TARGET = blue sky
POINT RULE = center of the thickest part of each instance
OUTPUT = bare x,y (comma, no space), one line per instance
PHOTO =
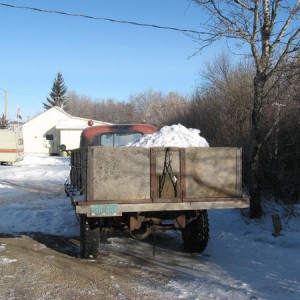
96,58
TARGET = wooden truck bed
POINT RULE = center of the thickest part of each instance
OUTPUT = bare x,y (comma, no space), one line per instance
108,181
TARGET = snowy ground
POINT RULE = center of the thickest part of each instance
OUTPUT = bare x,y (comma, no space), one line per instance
242,261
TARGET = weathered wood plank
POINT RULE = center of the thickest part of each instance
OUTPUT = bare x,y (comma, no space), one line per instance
120,173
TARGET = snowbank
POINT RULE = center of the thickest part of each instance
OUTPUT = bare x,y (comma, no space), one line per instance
172,136
243,259
44,160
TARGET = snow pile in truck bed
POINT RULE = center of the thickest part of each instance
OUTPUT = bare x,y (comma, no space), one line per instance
172,136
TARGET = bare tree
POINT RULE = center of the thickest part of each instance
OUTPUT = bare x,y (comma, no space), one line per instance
227,94
80,105
281,154
157,108
271,30
108,110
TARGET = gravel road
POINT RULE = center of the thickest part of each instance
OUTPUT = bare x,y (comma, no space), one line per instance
31,268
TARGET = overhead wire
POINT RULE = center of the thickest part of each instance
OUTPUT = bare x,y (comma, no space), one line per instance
182,30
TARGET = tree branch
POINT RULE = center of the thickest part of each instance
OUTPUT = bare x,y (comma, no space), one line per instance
288,21
244,5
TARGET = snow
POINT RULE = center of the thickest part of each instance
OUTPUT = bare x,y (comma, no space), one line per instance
39,160
72,124
6,260
243,259
20,212
172,136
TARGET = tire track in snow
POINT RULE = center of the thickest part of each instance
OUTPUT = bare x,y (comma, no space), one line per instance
49,189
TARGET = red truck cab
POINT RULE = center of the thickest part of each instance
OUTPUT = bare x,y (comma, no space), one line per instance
114,135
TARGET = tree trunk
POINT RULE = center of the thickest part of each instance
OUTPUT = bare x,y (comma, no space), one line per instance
255,195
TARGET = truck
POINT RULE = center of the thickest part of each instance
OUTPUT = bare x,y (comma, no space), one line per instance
11,146
147,190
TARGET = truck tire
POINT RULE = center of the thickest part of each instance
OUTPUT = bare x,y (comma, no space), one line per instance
89,237
196,233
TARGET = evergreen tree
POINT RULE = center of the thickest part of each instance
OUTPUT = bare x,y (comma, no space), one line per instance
57,94
3,122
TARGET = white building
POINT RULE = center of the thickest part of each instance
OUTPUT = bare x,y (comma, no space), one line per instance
46,132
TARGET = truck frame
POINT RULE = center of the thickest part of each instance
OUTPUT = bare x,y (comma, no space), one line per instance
145,190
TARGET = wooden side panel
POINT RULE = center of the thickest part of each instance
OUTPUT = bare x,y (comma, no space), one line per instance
154,177
119,174
160,153
76,169
128,175
167,165
212,173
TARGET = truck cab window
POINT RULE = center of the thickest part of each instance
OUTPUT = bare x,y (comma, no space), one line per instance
125,138
115,139
105,140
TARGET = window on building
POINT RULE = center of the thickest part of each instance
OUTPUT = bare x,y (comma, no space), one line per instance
49,137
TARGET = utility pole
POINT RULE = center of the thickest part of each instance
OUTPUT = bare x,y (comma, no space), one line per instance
5,110
278,105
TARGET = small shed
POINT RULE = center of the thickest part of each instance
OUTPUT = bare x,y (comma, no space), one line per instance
47,131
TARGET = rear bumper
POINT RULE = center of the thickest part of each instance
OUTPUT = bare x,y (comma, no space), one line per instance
100,209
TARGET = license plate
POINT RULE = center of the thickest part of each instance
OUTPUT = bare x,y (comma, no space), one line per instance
99,210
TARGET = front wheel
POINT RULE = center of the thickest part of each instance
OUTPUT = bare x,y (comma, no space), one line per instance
89,237
196,233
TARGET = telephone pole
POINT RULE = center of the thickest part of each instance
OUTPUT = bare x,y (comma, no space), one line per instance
5,109
5,103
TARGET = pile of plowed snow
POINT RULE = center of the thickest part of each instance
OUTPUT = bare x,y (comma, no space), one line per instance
43,160
172,136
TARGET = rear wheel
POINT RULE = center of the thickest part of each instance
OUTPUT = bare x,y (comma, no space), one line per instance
196,233
89,237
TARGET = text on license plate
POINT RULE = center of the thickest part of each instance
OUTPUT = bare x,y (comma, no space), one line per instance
104,210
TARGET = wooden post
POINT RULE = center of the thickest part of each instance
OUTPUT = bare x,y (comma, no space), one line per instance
276,224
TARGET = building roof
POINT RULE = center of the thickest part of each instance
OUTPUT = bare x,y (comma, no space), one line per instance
77,123
47,111
70,122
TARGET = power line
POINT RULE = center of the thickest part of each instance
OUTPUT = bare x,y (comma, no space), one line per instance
22,93
182,30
